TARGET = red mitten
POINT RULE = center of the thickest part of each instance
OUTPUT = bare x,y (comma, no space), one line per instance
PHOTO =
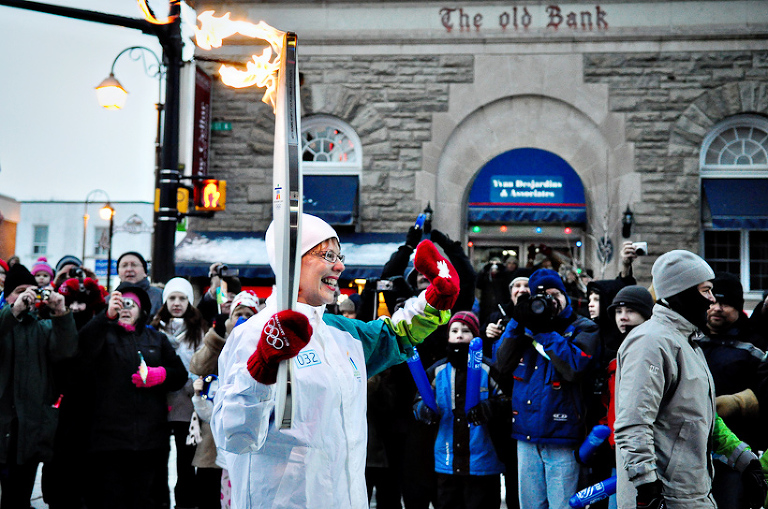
444,288
283,336
155,376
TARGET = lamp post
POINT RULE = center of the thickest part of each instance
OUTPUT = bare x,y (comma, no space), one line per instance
107,212
86,217
112,96
169,37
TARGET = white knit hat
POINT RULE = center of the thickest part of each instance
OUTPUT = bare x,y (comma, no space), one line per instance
313,231
677,271
178,284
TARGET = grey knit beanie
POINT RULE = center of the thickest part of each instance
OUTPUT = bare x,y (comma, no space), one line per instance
677,271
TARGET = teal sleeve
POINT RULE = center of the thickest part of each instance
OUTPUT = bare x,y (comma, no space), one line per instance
385,343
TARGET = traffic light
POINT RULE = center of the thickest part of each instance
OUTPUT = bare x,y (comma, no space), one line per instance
210,194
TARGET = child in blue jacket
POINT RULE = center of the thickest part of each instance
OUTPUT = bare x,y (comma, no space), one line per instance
466,462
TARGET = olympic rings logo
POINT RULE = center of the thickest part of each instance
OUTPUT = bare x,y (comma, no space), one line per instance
274,334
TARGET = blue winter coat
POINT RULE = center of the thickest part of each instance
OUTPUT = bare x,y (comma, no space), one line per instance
547,398
461,448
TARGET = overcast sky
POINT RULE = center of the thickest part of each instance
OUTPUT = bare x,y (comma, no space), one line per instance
56,142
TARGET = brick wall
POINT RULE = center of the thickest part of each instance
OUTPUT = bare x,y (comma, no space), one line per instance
387,99
671,100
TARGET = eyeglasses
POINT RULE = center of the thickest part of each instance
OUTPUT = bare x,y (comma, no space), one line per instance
129,304
329,256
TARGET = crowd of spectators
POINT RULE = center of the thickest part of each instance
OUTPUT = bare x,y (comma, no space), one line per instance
96,385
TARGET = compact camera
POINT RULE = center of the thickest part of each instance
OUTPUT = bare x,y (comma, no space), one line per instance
42,294
641,248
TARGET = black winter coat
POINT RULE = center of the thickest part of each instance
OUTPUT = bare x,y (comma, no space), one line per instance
733,361
125,417
28,349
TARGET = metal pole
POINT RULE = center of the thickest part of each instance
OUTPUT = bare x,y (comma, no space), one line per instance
169,37
85,228
109,250
163,263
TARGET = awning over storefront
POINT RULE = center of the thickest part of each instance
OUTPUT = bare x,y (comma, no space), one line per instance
331,197
527,185
366,253
735,203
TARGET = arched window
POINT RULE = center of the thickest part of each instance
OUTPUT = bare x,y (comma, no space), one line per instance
332,162
736,147
734,182
330,146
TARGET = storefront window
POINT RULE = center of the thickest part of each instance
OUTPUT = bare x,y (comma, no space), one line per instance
734,183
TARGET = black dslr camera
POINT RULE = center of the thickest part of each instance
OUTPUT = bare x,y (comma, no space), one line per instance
76,272
542,305
79,273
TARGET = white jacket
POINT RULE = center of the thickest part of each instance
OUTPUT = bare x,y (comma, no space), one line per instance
320,461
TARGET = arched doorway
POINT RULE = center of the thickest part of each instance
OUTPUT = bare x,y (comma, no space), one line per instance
524,202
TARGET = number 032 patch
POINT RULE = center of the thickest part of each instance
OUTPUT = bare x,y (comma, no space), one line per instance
306,358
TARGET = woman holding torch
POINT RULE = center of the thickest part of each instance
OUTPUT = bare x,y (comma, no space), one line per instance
320,460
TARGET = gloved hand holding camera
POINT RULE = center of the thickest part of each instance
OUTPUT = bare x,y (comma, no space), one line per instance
536,312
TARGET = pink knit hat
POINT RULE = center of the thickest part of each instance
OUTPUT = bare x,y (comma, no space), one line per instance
42,265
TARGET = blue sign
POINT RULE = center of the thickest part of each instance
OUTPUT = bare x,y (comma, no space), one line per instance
526,189
527,185
101,268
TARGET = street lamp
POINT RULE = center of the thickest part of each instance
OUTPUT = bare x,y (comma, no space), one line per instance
107,212
169,37
86,217
111,95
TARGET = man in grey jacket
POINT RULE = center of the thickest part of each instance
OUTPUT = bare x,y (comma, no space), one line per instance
666,427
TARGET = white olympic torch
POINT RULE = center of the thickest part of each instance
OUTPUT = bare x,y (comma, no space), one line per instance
280,77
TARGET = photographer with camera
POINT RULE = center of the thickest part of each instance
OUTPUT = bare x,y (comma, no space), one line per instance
29,348
498,320
125,371
216,303
132,268
546,349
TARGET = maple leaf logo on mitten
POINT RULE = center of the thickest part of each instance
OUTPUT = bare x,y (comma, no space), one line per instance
444,280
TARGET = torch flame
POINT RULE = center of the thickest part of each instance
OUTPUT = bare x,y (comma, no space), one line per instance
149,15
262,70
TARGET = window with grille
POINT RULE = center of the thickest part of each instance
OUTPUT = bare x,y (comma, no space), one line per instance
329,146
734,182
40,239
101,238
332,162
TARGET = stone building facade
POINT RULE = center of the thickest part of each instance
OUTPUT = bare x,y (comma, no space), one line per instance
626,94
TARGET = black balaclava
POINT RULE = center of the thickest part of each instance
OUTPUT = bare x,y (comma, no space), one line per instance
457,354
692,305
